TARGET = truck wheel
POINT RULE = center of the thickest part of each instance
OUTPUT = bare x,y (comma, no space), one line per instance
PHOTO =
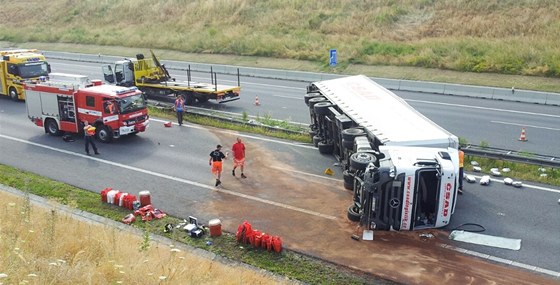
350,134
189,99
312,133
308,96
316,140
202,99
325,148
354,213
104,134
349,186
360,160
348,176
13,94
348,144
322,108
52,127
316,100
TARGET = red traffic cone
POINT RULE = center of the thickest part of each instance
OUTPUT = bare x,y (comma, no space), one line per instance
167,125
257,102
523,136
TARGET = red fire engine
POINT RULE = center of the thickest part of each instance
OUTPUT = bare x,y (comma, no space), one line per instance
64,102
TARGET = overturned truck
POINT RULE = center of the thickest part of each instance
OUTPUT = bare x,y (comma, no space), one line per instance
402,167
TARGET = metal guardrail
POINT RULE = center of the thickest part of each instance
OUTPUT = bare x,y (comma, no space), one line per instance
513,156
495,93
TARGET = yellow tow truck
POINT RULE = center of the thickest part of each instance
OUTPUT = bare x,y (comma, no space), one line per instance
150,76
18,66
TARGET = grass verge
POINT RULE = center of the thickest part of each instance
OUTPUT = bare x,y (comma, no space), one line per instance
287,263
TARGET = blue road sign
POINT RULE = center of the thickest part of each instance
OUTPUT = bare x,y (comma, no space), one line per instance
332,60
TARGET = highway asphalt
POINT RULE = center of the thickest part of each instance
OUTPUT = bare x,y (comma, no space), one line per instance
285,180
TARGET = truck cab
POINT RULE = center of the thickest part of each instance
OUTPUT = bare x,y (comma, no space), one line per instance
19,66
409,189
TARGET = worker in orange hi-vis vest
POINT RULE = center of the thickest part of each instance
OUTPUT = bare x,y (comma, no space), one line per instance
461,160
89,133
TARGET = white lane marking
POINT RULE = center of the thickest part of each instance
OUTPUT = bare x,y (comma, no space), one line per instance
177,179
485,108
524,185
524,125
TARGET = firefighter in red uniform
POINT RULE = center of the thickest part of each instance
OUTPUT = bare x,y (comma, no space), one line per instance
89,133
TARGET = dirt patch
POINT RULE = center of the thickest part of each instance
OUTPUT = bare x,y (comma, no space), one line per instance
310,215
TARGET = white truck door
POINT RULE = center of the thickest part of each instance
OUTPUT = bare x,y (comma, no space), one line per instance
108,74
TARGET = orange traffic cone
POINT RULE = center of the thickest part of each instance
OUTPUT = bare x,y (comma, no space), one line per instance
257,102
523,136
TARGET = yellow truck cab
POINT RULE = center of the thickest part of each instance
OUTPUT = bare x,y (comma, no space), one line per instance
19,66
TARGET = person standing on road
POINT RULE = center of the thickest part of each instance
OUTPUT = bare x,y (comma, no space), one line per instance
461,160
238,150
89,133
179,108
216,157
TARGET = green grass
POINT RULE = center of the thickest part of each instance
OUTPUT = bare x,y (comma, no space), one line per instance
394,39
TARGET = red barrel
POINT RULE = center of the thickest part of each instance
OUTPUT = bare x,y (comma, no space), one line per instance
145,198
215,226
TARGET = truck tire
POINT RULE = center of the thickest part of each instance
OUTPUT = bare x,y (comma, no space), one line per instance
202,99
316,100
13,94
104,134
349,185
348,144
350,134
360,160
307,97
348,176
322,108
325,148
316,140
354,213
52,127
190,99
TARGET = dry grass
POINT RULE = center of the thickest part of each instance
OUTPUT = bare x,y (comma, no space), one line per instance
499,36
43,245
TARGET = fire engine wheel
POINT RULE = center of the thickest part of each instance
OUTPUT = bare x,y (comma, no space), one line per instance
354,213
322,108
316,140
348,144
325,147
52,127
360,160
104,134
350,134
13,94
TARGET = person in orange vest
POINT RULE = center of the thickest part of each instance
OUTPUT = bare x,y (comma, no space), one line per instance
216,157
110,108
89,133
461,160
179,108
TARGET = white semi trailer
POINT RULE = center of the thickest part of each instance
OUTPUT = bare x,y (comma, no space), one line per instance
402,167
